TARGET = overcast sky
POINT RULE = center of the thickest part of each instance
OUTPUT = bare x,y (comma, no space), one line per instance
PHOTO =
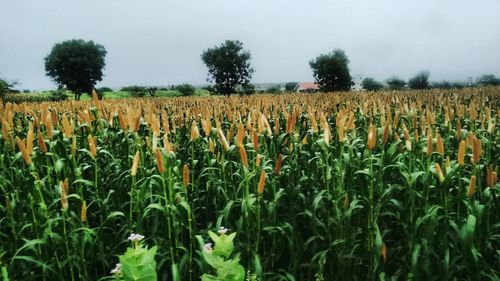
159,42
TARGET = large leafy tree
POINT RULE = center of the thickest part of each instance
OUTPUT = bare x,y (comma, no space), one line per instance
76,65
488,80
228,66
420,81
331,71
371,84
396,83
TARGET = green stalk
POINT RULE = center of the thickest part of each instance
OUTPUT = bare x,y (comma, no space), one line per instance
67,245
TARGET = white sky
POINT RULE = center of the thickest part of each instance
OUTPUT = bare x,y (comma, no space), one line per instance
159,42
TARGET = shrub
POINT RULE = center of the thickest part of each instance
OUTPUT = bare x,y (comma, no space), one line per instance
185,89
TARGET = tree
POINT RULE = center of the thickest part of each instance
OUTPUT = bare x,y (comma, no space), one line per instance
420,81
185,89
395,83
228,66
248,89
6,87
76,65
331,71
488,80
152,91
290,86
371,84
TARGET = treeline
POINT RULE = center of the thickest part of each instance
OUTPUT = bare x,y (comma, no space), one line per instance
421,81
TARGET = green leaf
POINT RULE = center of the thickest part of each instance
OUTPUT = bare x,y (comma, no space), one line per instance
139,264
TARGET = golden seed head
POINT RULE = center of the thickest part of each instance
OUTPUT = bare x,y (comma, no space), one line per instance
385,134
262,182
243,155
439,172
476,150
440,145
372,137
41,143
195,133
222,139
429,145
83,213
240,135
258,159
92,146
211,146
63,186
185,175
461,153
24,152
159,161
277,167
135,163
472,187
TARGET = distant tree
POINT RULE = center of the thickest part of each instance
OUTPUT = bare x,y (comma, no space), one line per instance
104,89
273,90
185,89
371,84
395,83
76,64
228,66
458,85
290,86
441,85
152,91
420,81
248,89
488,80
6,87
135,91
331,71
211,89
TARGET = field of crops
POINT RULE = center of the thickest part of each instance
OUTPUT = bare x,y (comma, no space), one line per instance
347,186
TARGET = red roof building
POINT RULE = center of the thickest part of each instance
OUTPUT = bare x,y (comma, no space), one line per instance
306,87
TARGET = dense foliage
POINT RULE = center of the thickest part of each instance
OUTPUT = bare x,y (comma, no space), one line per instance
228,66
420,81
371,84
331,71
347,186
76,65
396,83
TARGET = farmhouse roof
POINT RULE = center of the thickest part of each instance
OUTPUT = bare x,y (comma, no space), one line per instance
306,86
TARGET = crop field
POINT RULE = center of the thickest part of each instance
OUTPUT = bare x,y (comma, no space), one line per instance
341,186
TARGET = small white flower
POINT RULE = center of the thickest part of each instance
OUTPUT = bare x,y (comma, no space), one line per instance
207,248
222,230
117,269
135,237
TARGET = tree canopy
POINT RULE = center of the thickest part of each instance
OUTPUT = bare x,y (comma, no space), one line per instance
395,83
331,71
76,65
420,81
488,80
228,66
371,84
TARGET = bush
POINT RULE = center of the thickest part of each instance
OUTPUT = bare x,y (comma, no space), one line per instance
396,83
273,90
135,91
104,89
248,89
371,84
185,89
420,81
58,95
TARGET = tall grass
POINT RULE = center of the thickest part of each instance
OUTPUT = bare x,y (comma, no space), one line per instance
347,186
